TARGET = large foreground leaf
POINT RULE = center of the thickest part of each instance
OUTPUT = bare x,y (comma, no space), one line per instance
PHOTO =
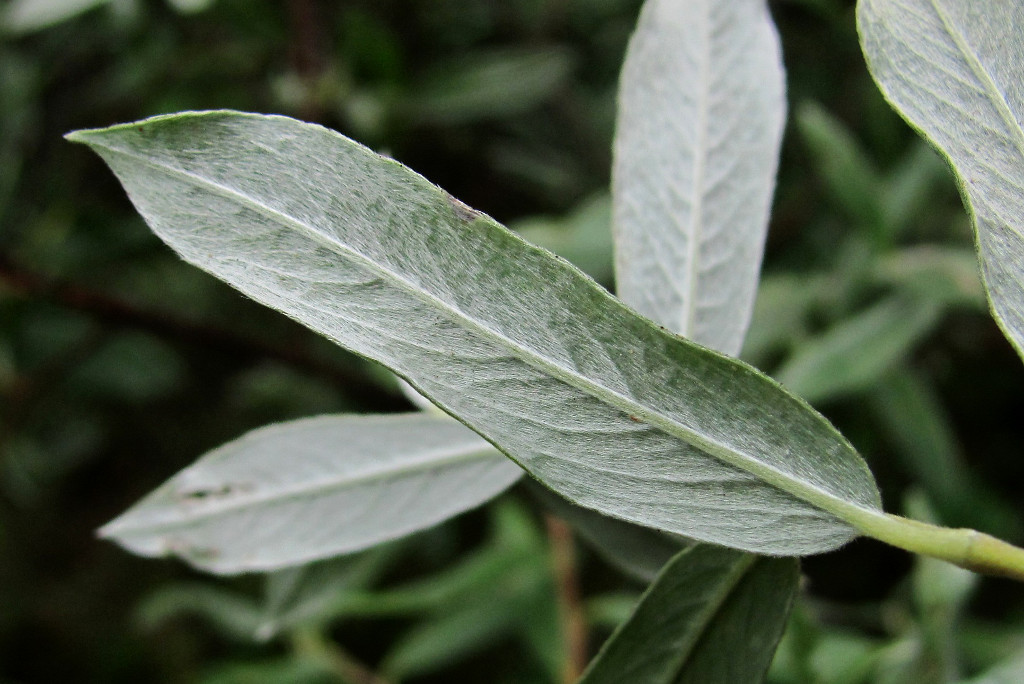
702,621
701,111
308,489
954,69
598,403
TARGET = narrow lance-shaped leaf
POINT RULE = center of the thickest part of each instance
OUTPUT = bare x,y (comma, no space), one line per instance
595,401
713,616
701,111
954,69
308,489
693,181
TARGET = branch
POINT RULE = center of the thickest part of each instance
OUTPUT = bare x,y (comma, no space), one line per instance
574,626
121,314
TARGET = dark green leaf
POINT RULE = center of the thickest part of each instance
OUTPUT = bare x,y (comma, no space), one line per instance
713,616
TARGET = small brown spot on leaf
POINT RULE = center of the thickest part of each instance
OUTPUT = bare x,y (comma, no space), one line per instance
462,211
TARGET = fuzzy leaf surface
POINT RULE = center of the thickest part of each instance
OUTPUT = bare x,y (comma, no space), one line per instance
954,69
598,403
313,488
713,616
701,111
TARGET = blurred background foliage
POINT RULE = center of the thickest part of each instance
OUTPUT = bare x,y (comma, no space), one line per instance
119,365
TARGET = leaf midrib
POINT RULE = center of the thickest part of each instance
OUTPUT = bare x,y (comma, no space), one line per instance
741,567
320,488
801,490
695,246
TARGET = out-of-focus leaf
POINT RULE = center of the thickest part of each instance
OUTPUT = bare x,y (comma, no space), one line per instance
304,596
1009,672
694,173
446,638
314,488
858,351
489,84
694,624
781,314
531,159
275,391
584,237
504,590
288,670
638,551
610,610
840,658
190,6
902,660
940,592
131,366
597,402
514,542
909,187
952,69
811,652
19,86
843,167
948,276
233,615
986,644
912,418
26,16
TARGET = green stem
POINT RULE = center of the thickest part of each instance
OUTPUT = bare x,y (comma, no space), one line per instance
312,643
966,548
570,609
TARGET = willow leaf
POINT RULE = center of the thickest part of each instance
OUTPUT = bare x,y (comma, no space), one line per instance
597,402
308,489
953,69
713,616
701,111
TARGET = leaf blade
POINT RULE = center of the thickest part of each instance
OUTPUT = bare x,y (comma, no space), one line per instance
693,175
693,623
243,507
598,403
952,70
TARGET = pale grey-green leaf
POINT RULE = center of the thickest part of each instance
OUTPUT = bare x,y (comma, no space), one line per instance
313,488
597,402
955,70
701,111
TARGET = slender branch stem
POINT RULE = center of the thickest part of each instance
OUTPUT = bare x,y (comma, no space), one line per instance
966,548
570,609
20,282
